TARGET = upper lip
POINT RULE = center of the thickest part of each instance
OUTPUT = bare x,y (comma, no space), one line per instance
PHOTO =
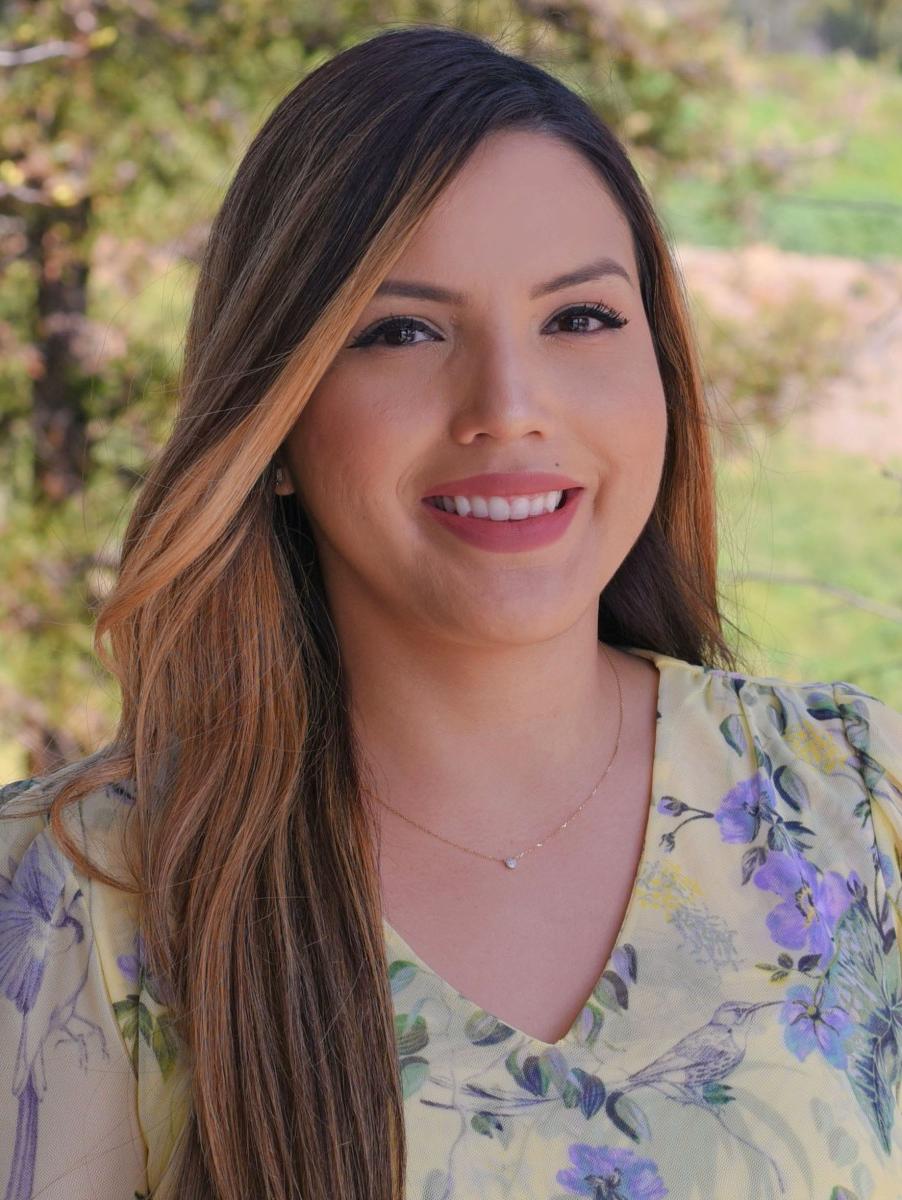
511,483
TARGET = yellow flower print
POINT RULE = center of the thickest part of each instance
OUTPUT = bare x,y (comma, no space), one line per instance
816,747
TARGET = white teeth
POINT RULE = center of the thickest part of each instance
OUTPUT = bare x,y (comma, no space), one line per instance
500,508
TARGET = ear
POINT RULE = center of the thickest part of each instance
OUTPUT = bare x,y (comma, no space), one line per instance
286,487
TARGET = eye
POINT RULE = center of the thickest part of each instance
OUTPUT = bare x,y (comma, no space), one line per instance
609,317
390,327
405,328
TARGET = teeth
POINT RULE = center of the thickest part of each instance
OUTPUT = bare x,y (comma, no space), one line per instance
499,508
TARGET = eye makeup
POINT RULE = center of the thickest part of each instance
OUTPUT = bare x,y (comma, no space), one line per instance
397,324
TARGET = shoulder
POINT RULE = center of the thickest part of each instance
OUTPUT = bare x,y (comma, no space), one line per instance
825,759
74,990
826,720
829,725
40,883
38,872
60,1029
829,734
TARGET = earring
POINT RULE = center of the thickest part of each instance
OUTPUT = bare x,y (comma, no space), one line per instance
278,476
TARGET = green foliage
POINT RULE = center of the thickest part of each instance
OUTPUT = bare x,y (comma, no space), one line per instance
804,180
751,365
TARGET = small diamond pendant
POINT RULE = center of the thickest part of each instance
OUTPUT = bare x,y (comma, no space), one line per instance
510,862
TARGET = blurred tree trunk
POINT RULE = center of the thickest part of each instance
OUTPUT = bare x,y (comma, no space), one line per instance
56,236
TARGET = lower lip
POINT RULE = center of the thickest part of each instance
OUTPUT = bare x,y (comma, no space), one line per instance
529,533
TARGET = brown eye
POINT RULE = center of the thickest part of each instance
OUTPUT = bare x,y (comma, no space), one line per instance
609,317
397,331
391,327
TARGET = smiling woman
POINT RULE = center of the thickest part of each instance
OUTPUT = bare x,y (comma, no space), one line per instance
417,628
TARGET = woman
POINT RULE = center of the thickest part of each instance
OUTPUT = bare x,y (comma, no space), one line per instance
443,849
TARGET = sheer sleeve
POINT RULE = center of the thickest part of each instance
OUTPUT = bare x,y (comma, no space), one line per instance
69,1127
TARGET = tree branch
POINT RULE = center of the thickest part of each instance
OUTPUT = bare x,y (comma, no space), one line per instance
33,54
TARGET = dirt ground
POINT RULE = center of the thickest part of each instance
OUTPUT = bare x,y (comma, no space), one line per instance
858,411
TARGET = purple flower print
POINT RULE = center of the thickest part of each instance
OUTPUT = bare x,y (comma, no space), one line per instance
740,812
134,968
131,965
811,1023
811,904
608,1173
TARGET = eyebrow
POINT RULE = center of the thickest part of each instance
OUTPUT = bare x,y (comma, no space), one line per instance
428,291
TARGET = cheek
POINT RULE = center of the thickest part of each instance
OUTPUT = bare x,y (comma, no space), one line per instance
630,440
348,450
630,425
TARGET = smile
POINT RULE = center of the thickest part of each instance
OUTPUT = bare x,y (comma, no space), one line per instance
500,508
492,523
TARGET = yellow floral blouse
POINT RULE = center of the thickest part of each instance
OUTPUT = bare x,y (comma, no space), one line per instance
744,1040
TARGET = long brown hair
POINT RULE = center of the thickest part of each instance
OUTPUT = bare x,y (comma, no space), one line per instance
255,855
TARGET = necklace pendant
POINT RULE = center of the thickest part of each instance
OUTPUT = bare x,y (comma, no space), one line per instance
510,862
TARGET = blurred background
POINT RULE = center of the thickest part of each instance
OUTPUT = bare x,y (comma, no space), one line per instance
768,133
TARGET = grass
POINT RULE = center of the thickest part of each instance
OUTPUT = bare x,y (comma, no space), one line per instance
844,202
790,510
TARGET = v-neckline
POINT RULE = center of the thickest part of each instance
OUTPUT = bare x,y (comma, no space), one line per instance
662,708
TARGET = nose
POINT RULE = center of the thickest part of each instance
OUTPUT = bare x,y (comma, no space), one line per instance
502,394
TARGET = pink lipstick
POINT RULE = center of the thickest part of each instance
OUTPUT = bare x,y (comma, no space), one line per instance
527,533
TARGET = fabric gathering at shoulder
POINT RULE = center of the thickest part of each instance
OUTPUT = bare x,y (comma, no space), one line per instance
69,1119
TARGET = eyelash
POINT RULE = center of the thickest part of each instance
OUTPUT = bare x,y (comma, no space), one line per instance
610,316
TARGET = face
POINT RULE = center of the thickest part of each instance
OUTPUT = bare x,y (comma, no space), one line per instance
498,379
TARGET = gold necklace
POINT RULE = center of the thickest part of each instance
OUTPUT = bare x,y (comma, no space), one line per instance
512,861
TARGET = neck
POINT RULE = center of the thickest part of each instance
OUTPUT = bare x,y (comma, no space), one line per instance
466,745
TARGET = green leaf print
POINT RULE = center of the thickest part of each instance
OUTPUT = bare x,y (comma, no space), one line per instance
413,1075
593,1092
159,1033
165,1044
791,787
855,719
717,1093
483,1029
776,711
821,706
412,1033
486,1123
733,733
536,1074
612,991
400,974
627,1116
145,1024
842,1193
127,1015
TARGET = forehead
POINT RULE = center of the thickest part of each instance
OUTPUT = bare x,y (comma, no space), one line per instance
524,206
